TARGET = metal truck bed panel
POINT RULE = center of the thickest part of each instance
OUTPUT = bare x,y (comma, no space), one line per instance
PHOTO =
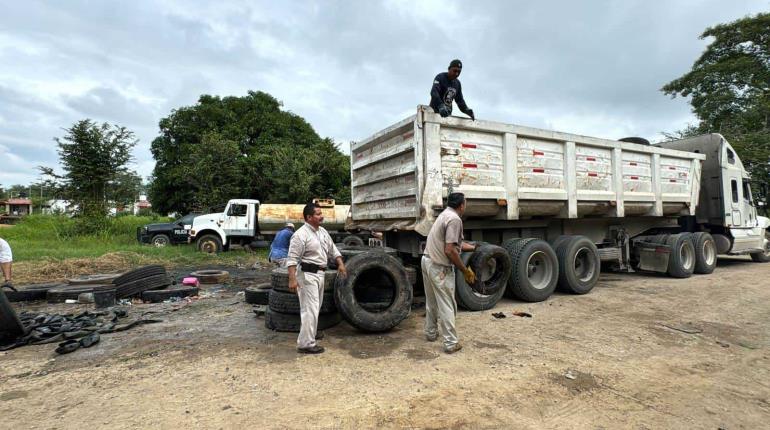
401,174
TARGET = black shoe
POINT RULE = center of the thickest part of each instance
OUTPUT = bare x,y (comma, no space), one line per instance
311,350
319,335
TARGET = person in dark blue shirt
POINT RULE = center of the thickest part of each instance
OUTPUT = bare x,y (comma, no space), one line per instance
447,89
279,249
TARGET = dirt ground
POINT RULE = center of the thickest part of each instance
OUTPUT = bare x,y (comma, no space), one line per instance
639,352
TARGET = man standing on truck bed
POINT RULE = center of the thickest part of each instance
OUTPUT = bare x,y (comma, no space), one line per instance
446,89
309,249
279,249
442,251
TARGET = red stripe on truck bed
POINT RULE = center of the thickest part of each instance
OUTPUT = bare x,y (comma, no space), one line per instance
470,165
468,145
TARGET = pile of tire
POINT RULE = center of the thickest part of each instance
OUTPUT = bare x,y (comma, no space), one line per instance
31,292
377,293
283,313
348,251
152,284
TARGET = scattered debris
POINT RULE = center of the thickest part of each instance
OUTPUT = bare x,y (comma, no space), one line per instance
42,328
723,345
570,375
522,314
498,315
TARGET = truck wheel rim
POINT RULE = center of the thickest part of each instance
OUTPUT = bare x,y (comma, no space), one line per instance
709,252
487,272
539,270
686,256
584,266
159,242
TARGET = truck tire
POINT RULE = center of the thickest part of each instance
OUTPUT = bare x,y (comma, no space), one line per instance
136,288
139,273
10,324
32,292
705,252
292,323
492,266
535,269
209,244
71,292
352,240
288,303
160,240
579,264
211,276
350,251
100,278
763,257
681,262
258,295
362,270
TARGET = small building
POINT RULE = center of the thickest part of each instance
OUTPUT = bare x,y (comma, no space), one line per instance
141,205
16,207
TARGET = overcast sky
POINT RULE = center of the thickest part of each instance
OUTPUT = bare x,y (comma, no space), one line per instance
350,68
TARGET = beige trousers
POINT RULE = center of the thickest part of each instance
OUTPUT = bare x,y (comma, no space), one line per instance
440,304
311,295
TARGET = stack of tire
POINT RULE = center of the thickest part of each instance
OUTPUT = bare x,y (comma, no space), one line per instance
150,283
283,312
79,285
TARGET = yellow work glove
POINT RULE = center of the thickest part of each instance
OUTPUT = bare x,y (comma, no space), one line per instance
470,277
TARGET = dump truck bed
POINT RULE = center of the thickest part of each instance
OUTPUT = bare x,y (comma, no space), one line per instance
400,175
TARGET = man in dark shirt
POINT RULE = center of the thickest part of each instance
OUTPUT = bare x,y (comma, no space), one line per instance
446,89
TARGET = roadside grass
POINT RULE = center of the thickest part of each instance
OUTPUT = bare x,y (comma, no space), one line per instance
45,248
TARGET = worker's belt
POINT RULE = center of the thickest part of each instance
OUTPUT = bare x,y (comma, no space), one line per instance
310,267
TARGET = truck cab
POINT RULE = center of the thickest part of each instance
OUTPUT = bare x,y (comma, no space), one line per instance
238,224
726,207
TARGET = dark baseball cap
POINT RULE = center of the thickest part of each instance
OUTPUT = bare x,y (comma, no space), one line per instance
456,63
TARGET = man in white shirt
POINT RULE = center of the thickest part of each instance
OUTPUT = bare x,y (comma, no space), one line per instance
309,250
6,260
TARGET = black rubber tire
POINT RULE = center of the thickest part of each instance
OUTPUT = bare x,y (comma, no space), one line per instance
576,254
411,274
519,284
678,267
160,240
352,240
705,250
157,296
258,295
279,279
288,303
71,292
292,323
361,269
139,273
350,251
137,287
483,295
102,278
31,292
209,244
211,276
634,139
762,257
10,324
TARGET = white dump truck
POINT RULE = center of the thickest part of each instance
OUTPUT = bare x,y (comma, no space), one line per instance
248,223
561,204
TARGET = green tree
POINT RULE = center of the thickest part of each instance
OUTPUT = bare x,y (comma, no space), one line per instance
244,147
93,157
729,90
124,188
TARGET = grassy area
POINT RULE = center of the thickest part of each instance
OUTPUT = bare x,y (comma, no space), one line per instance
45,247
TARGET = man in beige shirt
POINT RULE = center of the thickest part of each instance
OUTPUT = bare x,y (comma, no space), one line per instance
309,249
442,255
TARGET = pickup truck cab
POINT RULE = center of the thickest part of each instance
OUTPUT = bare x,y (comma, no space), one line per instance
238,224
166,233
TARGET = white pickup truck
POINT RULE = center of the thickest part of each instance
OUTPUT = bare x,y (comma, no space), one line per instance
248,223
